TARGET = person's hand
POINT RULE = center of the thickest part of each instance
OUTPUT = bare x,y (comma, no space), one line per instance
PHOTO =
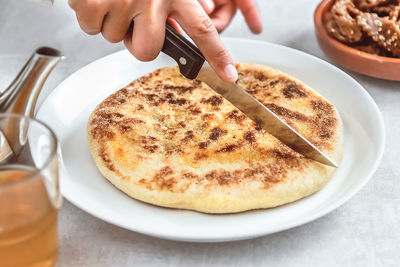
113,17
221,13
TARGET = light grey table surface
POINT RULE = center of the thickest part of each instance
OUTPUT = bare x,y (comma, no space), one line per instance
363,232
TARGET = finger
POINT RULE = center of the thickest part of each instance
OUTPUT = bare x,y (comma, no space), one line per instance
201,29
90,14
208,5
116,24
148,32
223,14
250,14
175,25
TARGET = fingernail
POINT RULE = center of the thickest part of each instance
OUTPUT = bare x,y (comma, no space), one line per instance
208,5
231,73
91,31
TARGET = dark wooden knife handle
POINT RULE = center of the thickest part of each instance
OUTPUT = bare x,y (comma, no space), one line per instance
185,53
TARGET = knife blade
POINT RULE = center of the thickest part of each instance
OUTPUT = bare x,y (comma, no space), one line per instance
191,64
263,116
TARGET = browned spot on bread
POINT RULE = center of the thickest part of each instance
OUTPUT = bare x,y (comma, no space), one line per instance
115,99
249,136
150,97
287,113
274,175
293,90
143,139
273,82
195,110
189,135
199,156
172,132
109,117
106,159
101,132
281,154
171,98
322,107
154,99
228,148
190,176
324,126
161,178
236,115
207,116
176,150
151,148
216,133
133,121
257,126
267,94
157,72
178,101
104,156
267,175
126,125
179,89
125,128
181,101
260,76
214,100
169,183
102,123
148,143
203,145
222,177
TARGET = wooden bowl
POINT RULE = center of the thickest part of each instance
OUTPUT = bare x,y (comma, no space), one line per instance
351,58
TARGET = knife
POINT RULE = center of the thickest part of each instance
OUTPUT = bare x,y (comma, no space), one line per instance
191,64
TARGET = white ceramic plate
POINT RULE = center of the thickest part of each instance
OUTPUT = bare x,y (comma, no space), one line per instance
67,109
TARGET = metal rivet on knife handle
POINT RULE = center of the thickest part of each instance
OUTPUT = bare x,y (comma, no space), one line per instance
184,52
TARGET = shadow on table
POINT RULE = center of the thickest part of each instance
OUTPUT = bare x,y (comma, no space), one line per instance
88,241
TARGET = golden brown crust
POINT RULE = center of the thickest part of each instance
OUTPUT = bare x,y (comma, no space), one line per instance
167,140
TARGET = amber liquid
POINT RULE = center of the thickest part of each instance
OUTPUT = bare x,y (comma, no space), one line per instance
28,221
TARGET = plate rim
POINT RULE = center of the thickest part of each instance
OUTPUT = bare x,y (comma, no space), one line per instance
303,220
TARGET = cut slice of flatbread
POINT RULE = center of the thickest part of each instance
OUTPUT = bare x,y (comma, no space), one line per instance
173,142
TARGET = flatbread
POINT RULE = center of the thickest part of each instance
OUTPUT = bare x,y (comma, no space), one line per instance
173,142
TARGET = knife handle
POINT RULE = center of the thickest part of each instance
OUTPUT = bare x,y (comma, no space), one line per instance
185,53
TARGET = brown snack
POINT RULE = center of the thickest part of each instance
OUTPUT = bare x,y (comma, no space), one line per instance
367,5
371,26
343,24
384,32
391,11
372,48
